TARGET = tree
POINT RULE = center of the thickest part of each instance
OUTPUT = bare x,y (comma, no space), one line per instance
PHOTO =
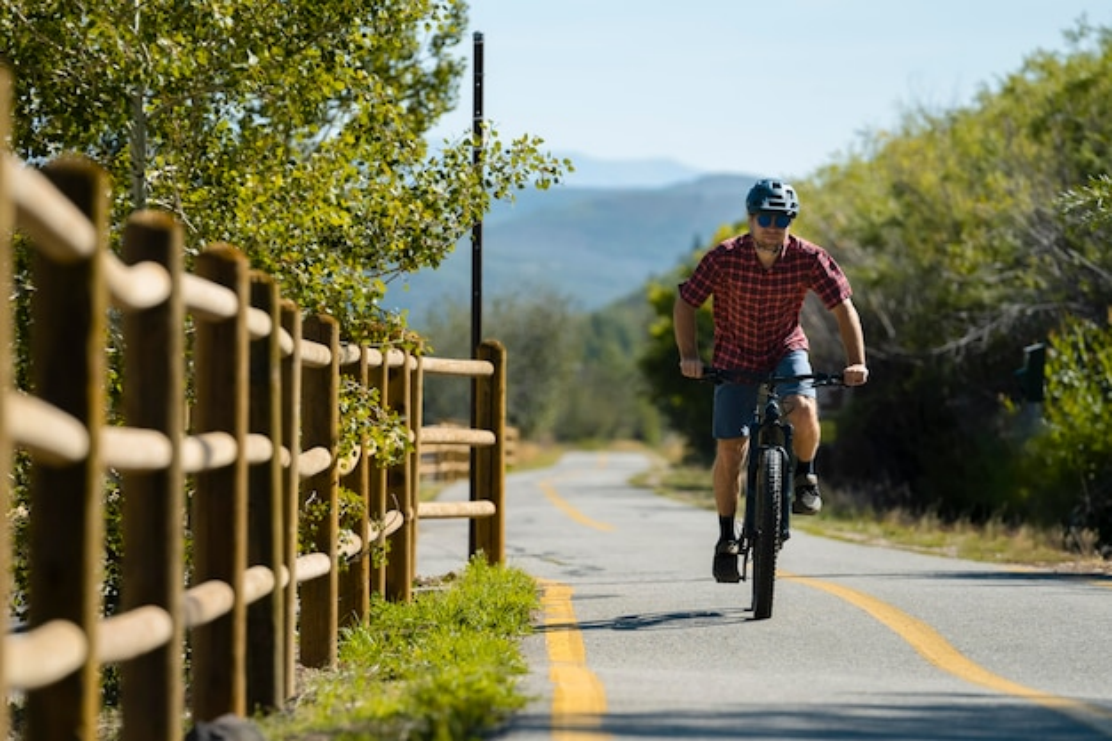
684,404
607,397
963,251
967,234
293,130
539,332
1065,463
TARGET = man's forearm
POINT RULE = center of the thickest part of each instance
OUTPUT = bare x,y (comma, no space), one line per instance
684,329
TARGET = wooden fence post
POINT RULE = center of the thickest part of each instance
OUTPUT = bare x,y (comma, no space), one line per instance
69,309
153,521
412,466
265,617
379,379
291,488
355,575
7,219
400,568
320,428
220,501
488,480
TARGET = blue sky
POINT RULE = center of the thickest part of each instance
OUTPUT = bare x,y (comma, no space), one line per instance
775,88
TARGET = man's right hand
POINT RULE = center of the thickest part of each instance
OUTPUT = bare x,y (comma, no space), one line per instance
691,367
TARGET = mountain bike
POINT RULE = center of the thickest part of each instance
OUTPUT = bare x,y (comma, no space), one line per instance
769,468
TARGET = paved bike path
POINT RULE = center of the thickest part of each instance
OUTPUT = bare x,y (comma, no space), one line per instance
636,641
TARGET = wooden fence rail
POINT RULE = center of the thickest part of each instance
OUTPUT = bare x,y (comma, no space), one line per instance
213,487
449,461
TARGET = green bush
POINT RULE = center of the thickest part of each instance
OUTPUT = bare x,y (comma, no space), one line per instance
1068,459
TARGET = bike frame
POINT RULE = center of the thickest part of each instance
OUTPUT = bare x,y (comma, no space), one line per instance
768,491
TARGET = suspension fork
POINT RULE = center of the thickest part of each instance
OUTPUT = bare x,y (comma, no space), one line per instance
774,433
751,486
777,433
787,477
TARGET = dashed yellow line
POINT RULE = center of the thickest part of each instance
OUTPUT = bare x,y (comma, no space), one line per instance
560,503
940,653
579,699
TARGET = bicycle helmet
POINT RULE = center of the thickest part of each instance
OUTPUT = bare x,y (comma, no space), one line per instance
772,195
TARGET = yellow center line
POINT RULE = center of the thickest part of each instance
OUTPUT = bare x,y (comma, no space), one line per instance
579,699
560,503
940,653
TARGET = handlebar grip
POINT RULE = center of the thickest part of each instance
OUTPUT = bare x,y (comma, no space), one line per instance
713,375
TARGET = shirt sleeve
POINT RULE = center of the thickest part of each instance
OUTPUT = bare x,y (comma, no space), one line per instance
701,283
829,281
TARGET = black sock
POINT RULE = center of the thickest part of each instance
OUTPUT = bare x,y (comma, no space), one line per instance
805,467
726,528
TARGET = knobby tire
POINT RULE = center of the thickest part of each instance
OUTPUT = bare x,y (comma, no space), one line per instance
767,527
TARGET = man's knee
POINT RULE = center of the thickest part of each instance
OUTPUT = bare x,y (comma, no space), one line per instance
800,407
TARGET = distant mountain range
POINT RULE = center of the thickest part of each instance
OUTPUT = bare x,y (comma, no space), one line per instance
592,172
592,245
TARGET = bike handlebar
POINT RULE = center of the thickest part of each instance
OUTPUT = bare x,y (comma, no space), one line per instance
722,375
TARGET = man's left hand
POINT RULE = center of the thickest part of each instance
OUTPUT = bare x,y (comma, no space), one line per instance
855,375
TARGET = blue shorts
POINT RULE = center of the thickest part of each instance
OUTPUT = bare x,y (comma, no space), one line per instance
735,402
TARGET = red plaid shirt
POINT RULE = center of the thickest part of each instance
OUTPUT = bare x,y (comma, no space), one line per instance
757,311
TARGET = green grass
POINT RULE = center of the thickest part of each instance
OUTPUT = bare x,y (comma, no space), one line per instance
440,668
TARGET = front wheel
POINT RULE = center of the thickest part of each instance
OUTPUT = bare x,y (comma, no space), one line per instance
767,528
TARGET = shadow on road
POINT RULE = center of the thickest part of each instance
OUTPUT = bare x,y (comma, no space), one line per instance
655,621
943,718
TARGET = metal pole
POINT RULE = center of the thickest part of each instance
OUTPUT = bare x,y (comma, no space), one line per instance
476,260
477,229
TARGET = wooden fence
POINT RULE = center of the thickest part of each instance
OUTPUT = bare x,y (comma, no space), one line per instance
447,462
213,482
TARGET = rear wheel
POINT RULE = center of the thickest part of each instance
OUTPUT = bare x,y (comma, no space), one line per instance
767,526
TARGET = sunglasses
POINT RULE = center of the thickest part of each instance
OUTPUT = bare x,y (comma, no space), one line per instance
780,220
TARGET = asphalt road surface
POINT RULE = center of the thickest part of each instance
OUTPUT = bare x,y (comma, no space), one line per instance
636,640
